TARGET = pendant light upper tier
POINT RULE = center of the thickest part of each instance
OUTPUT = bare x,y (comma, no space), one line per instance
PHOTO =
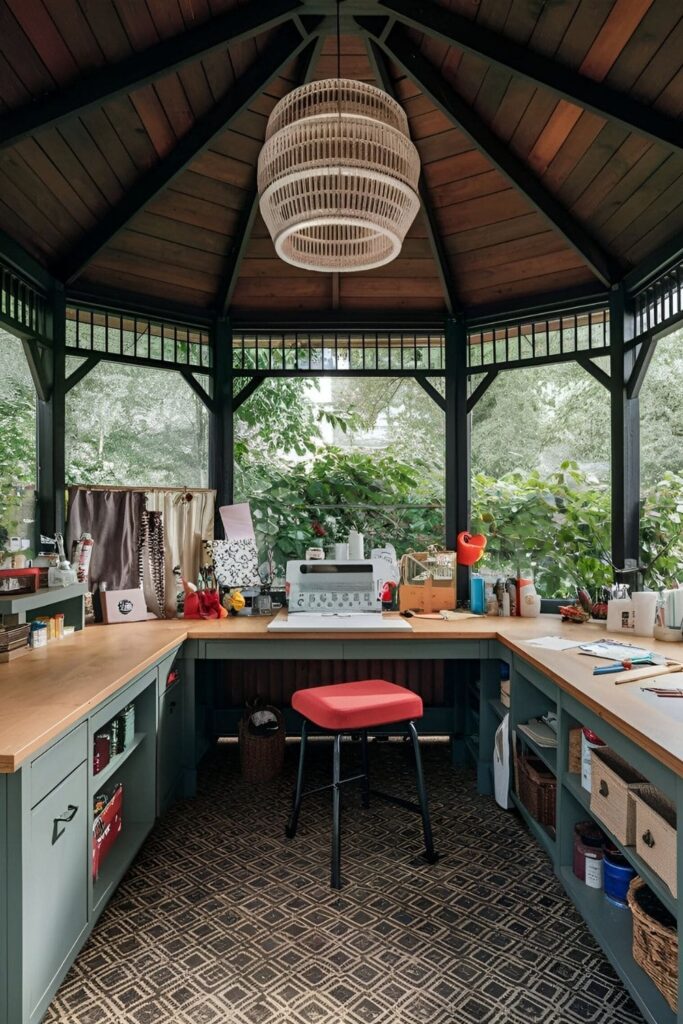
338,177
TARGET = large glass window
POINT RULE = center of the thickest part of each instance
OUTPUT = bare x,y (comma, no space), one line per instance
661,463
131,425
316,457
541,465
18,464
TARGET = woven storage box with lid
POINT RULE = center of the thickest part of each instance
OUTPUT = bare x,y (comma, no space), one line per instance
536,788
656,833
612,779
261,755
655,940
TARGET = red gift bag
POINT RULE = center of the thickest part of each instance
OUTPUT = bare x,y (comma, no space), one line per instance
105,829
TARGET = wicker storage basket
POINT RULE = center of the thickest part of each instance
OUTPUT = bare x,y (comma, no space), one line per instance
655,944
261,757
536,788
656,833
612,782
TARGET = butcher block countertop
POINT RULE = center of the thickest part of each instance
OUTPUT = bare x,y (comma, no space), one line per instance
45,692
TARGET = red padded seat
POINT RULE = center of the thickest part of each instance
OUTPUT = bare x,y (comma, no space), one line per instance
346,707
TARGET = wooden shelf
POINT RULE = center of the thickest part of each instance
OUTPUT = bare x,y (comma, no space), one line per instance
118,860
612,927
547,754
572,783
118,760
42,598
499,709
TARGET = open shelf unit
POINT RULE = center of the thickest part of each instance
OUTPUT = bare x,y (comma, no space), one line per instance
118,760
572,781
532,695
135,769
612,928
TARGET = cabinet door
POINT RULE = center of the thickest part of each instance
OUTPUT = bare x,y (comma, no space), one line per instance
170,745
57,890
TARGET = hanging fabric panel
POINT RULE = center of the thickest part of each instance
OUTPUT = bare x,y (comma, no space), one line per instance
188,518
114,519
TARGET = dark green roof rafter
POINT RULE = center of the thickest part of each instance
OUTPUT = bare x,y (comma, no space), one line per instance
308,59
285,46
141,68
468,35
400,48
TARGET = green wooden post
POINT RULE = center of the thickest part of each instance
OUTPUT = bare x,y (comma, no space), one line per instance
51,426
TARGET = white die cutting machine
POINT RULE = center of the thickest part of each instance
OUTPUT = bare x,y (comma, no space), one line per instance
336,595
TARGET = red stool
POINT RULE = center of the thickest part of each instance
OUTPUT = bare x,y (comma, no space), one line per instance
357,707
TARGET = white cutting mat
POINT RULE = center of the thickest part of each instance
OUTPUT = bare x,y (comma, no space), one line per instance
306,622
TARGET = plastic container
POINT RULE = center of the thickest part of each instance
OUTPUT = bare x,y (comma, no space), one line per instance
588,851
618,875
644,606
477,594
38,634
589,741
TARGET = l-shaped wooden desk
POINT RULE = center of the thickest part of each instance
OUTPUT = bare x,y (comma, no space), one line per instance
53,701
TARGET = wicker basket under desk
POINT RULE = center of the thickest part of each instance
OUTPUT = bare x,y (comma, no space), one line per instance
262,757
655,945
536,788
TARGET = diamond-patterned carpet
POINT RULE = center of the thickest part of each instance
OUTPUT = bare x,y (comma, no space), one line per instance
221,919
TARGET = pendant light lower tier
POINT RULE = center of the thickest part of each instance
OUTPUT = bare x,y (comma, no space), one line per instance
338,176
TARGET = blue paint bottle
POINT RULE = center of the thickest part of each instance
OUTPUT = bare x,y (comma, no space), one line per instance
477,594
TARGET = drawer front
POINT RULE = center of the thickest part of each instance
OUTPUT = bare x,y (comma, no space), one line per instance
611,782
170,762
57,762
656,841
170,666
57,891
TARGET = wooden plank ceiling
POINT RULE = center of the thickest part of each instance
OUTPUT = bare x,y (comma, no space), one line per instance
63,182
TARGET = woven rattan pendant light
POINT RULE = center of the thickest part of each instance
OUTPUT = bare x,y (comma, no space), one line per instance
337,176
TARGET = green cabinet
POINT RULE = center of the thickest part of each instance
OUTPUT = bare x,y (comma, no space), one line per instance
170,759
57,912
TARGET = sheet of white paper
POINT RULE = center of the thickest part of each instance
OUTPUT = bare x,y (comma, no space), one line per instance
613,650
237,522
552,643
305,622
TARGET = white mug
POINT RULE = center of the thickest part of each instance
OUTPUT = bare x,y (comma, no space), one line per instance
341,552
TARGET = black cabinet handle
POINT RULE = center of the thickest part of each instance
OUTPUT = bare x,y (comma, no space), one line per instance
67,817
648,839
604,788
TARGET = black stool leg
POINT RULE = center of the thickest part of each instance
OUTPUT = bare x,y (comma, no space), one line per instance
431,856
290,827
336,813
366,769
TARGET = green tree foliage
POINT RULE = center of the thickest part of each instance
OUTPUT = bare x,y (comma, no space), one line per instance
17,442
127,425
372,456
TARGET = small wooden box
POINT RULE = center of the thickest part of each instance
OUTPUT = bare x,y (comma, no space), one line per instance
612,780
656,833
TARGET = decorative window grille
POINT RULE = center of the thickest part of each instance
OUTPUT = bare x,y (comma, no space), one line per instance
137,339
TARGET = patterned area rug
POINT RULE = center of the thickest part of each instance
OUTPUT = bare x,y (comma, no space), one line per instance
221,919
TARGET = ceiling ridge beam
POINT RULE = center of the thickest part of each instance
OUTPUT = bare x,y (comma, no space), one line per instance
287,44
240,242
380,68
400,48
601,99
144,67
